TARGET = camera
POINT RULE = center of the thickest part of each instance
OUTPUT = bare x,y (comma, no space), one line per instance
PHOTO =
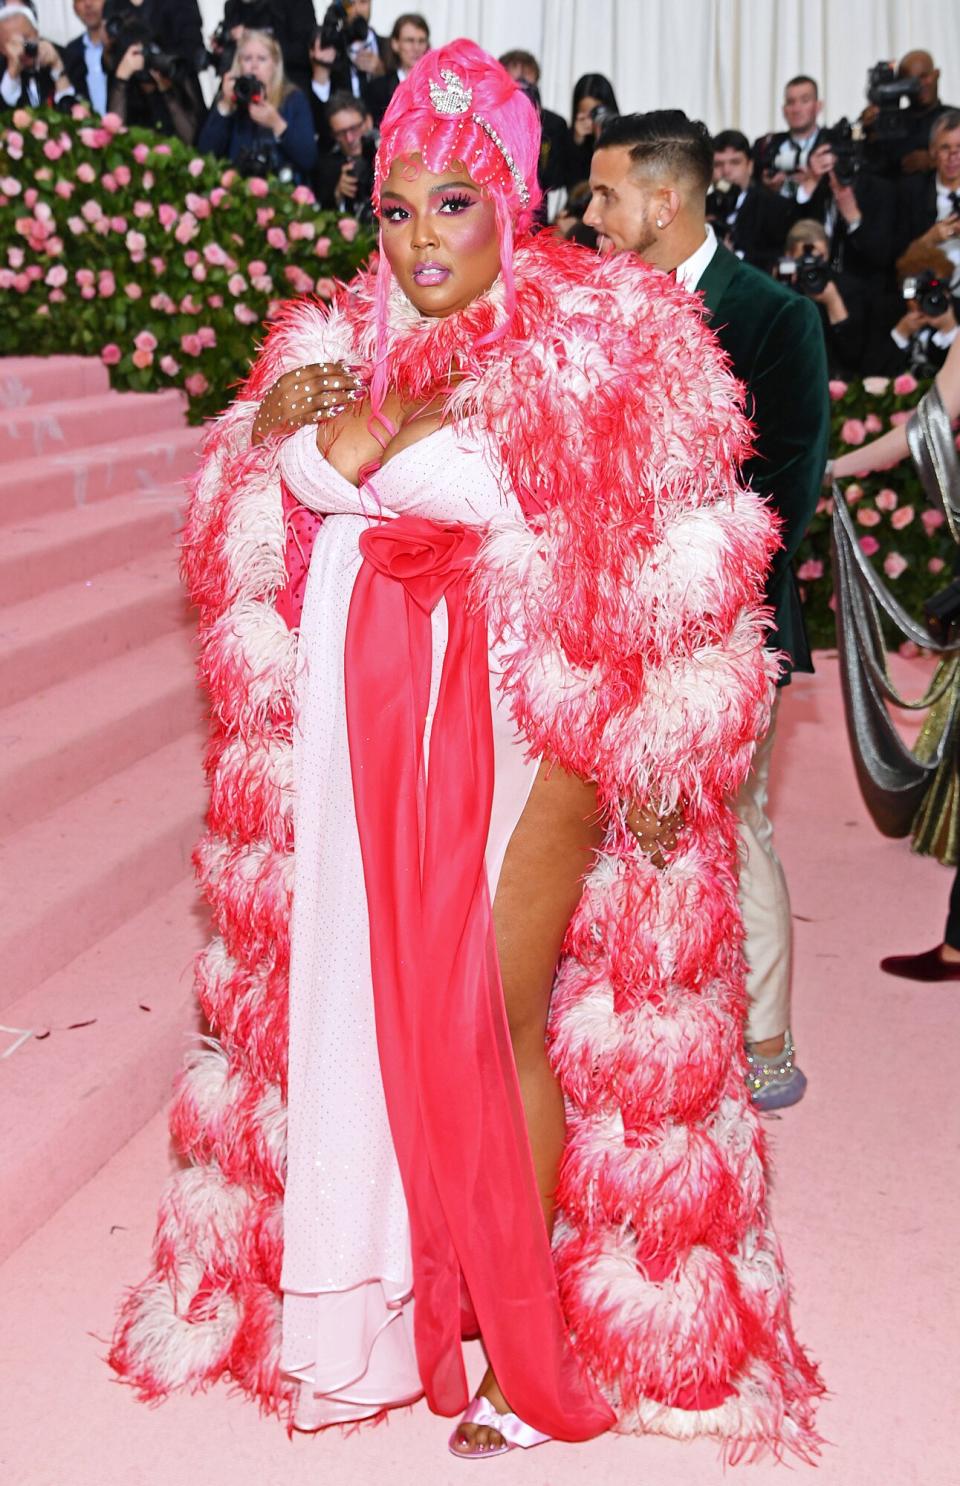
361,167
931,293
721,204
155,59
846,143
339,32
247,90
778,157
885,91
808,274
264,160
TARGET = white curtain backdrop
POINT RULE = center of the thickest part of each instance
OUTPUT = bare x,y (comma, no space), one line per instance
724,61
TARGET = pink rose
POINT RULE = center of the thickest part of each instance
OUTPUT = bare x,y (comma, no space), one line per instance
133,291
166,215
902,518
21,283
894,564
85,277
886,500
265,214
10,186
904,384
869,545
228,178
277,238
191,344
215,255
348,228
119,224
215,301
932,521
7,277
872,423
109,183
853,431
189,306
162,149
168,366
136,242
195,167
76,225
853,493
122,174
837,389
86,173
236,284
15,257
897,418
110,355
56,296
142,209
199,272
142,359
145,341
257,186
198,205
64,189
197,384
303,196
255,266
810,570
52,150
207,337
326,288
322,247
244,314
141,153
867,516
263,283
39,129
876,386
936,565
159,265
34,272
88,292
217,195
186,229
112,123
148,180
190,257
106,284
57,276
91,211
21,118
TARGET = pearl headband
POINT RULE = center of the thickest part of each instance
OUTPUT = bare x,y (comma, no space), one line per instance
456,99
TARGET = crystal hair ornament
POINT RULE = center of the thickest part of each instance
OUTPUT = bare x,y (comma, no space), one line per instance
455,99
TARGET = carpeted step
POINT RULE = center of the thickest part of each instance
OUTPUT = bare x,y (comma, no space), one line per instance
78,873
67,424
39,553
140,467
73,1095
59,742
31,379
54,636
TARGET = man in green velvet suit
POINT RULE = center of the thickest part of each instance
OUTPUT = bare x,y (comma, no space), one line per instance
649,179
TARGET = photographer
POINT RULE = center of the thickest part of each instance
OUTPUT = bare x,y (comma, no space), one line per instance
409,39
33,74
147,89
929,204
357,51
292,22
83,57
552,168
594,104
839,299
749,219
261,122
344,177
781,158
855,208
926,318
898,138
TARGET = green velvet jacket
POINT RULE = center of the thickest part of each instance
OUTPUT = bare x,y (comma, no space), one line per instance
774,339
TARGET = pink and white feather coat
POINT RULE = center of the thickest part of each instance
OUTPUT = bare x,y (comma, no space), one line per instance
630,596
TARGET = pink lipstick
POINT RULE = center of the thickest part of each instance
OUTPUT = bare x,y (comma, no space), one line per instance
429,274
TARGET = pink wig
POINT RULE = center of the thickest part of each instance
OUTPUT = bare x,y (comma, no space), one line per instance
412,125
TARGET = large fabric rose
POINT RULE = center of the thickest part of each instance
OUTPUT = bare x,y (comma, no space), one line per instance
425,556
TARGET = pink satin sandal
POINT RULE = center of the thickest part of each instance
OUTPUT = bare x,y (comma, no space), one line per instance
516,1434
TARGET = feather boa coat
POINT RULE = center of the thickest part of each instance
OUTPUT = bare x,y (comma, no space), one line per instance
631,598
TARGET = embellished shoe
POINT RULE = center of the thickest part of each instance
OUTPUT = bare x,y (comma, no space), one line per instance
778,1083
516,1435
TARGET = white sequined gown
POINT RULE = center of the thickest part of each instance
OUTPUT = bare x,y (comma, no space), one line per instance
347,1282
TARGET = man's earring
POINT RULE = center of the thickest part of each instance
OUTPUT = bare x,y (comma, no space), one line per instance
659,221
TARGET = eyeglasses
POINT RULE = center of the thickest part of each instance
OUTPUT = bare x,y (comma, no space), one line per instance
351,132
947,149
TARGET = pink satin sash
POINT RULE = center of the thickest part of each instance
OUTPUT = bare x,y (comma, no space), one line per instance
447,1063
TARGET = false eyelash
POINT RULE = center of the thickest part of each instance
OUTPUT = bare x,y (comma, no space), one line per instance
456,200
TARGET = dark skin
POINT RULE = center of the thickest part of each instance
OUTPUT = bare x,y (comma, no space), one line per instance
446,220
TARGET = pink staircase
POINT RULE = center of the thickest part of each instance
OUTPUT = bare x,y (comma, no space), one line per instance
101,741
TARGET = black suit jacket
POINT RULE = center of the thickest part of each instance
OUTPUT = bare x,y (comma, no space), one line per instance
377,92
775,344
47,88
916,207
868,253
75,66
759,233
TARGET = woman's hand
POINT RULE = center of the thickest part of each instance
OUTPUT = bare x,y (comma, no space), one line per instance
311,394
227,101
268,117
655,834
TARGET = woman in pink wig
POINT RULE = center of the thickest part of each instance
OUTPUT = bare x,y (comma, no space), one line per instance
479,603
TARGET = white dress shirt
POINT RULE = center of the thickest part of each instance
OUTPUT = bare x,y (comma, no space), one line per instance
692,269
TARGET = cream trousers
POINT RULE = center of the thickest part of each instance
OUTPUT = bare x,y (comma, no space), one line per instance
765,902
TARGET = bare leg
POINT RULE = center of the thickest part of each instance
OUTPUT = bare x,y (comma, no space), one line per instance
539,888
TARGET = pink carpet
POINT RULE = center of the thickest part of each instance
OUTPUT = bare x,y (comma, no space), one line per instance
99,799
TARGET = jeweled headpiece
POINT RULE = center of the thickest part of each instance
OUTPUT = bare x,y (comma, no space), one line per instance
455,99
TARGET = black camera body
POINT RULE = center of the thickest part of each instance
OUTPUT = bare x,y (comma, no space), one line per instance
339,32
778,156
843,138
31,51
808,274
885,91
721,204
247,90
930,292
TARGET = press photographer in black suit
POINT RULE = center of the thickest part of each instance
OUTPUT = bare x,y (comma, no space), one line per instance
840,300
409,39
343,180
292,22
553,165
748,218
907,152
33,74
856,209
929,204
780,159
916,333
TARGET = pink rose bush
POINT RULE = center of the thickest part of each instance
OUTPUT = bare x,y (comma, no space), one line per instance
906,538
163,263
